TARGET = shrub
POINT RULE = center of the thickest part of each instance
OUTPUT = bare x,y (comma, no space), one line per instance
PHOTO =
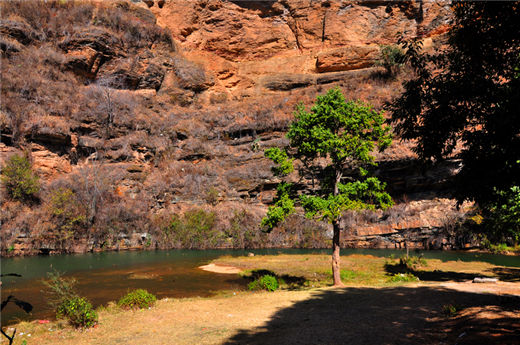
265,282
59,289
137,299
212,196
450,310
194,230
66,302
403,277
412,262
502,221
391,59
18,178
67,213
78,311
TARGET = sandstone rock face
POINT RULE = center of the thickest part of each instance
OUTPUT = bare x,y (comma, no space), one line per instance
167,106
346,59
257,38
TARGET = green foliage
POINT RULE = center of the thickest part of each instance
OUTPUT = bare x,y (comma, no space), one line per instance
266,282
500,248
450,310
18,178
59,289
212,195
345,134
468,96
67,213
243,231
338,130
392,58
403,277
137,299
412,262
78,311
283,206
502,221
284,165
63,298
194,230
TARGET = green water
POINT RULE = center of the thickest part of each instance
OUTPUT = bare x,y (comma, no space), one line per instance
104,277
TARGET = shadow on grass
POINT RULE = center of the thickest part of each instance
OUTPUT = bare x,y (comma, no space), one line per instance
507,274
292,282
436,276
397,315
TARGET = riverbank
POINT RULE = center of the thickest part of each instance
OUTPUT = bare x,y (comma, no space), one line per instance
370,309
356,315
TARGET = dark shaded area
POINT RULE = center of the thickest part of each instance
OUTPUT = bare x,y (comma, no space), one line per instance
437,275
293,282
25,306
507,274
398,315
264,7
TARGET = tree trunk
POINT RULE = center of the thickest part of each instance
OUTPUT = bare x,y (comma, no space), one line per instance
335,254
336,274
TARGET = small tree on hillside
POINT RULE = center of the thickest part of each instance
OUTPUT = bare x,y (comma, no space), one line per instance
334,136
18,178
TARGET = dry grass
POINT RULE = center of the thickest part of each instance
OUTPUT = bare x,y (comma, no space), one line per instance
182,321
331,316
360,270
318,316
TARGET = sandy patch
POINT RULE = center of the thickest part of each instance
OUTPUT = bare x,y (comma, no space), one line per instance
220,269
498,288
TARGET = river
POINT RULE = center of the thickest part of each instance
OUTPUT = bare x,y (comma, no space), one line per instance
104,277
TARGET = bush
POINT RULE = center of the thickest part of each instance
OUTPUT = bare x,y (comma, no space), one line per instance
265,282
403,277
59,289
78,311
450,310
137,299
66,302
391,59
212,196
18,178
412,262
194,230
502,221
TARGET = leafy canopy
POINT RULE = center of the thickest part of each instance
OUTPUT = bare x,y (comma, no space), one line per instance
343,135
18,178
467,96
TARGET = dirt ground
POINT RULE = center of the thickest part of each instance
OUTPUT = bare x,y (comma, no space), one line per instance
411,314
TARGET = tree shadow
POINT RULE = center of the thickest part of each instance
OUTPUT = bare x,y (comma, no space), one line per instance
293,282
507,274
436,275
397,315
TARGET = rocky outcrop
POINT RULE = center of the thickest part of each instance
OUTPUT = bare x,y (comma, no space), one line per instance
242,41
348,58
167,106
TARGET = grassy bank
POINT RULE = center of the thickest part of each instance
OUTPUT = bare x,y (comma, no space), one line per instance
371,309
367,270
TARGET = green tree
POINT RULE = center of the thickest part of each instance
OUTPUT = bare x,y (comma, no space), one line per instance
468,96
502,221
18,178
333,136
